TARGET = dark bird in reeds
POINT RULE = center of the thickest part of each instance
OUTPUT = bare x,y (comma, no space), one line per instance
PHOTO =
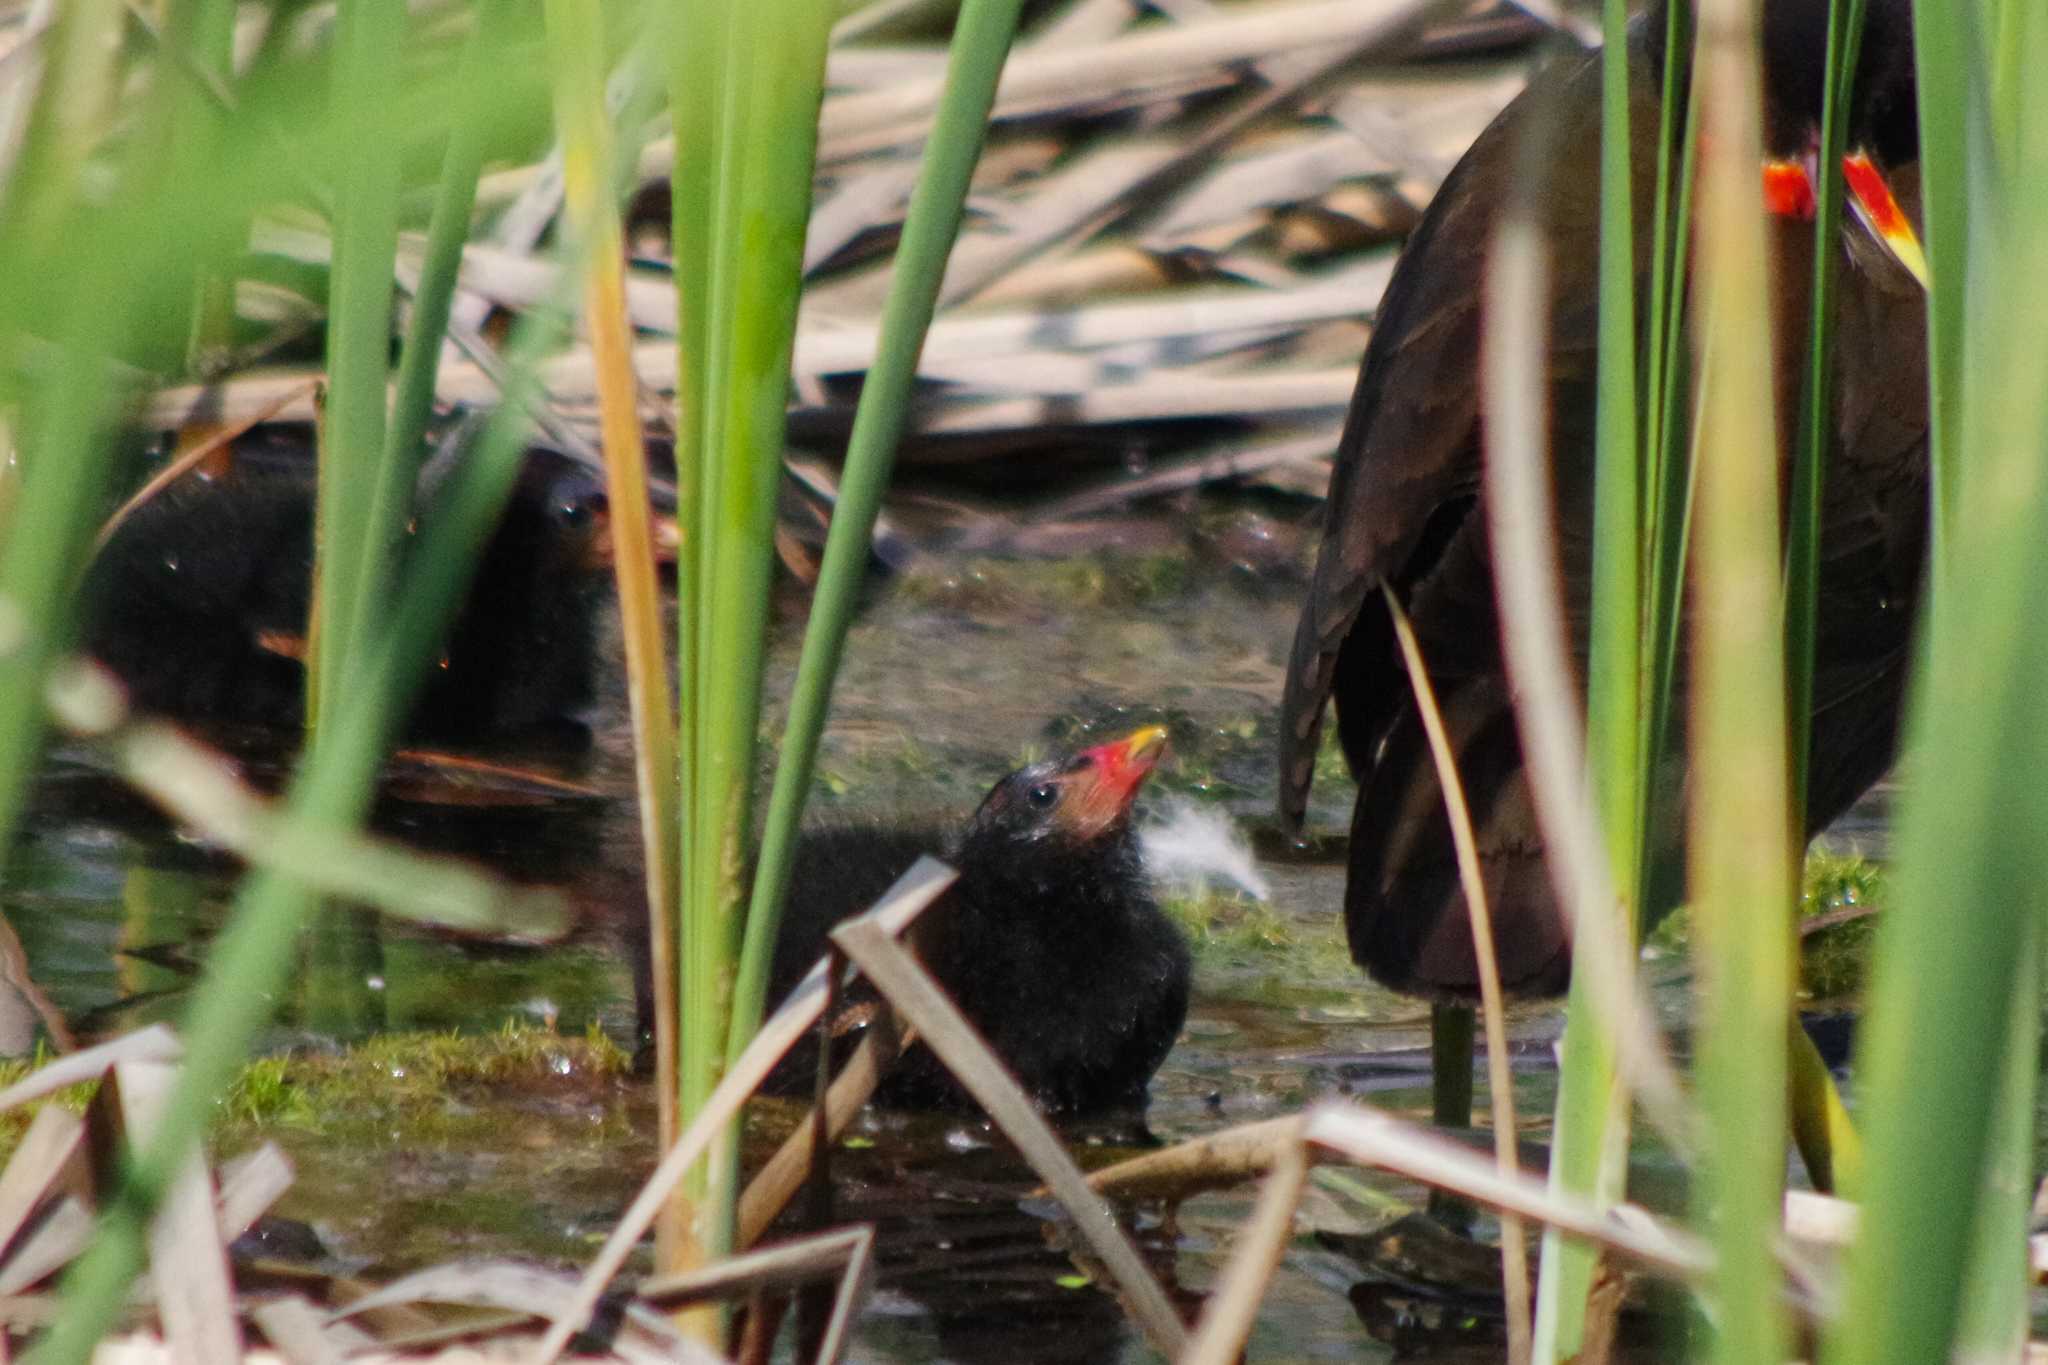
1404,502
199,602
1050,941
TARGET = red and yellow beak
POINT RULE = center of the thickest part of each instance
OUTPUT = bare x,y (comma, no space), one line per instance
1871,197
1789,193
1100,793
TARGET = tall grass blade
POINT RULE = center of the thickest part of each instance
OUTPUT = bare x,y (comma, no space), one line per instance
1942,51
764,69
1590,1120
252,957
577,34
1816,417
48,530
981,40
198,37
357,535
1669,448
1995,1313
73,104
697,105
433,293
1741,853
1667,267
1970,867
351,553
1827,1142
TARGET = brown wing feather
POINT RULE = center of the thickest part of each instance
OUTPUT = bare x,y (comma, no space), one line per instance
1410,444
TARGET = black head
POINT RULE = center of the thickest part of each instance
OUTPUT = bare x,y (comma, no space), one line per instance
523,652
1068,803
1882,114
557,518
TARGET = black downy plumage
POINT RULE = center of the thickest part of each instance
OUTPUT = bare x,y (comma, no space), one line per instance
1050,941
199,601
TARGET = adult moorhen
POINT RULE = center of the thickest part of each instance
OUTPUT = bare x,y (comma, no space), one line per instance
1403,506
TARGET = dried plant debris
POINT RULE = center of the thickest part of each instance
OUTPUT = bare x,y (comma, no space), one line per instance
1166,274
216,1287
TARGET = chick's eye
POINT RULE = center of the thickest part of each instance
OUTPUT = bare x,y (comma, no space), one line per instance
1043,795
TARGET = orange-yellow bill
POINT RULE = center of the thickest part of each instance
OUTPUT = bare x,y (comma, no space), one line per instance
1872,199
1789,193
1106,780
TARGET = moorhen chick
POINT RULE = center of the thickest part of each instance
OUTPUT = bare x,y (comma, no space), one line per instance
1403,507
1050,941
199,600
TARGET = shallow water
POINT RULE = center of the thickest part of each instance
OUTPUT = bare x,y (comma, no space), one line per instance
957,668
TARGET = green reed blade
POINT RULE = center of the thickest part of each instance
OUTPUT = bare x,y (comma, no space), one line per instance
1948,973
1587,1121
588,161
1667,267
1995,1317
348,566
1741,854
1942,52
1816,414
981,41
251,959
433,295
74,102
700,40
746,85
1671,457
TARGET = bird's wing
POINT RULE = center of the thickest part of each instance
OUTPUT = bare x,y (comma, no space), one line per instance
1410,440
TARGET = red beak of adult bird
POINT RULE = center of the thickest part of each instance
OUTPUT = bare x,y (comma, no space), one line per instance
1403,508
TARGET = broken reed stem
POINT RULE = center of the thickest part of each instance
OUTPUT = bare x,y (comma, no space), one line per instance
1227,1317
898,975
916,889
222,438
774,1184
1514,1247
1214,1161
1375,1139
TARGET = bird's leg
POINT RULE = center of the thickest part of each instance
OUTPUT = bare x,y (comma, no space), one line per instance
1450,1064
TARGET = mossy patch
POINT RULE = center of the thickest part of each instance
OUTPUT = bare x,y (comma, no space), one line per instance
416,1080
513,1139
1246,950
15,1121
1332,768
1230,927
1832,959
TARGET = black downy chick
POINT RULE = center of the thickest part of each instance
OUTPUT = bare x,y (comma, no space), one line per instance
199,602
1050,941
